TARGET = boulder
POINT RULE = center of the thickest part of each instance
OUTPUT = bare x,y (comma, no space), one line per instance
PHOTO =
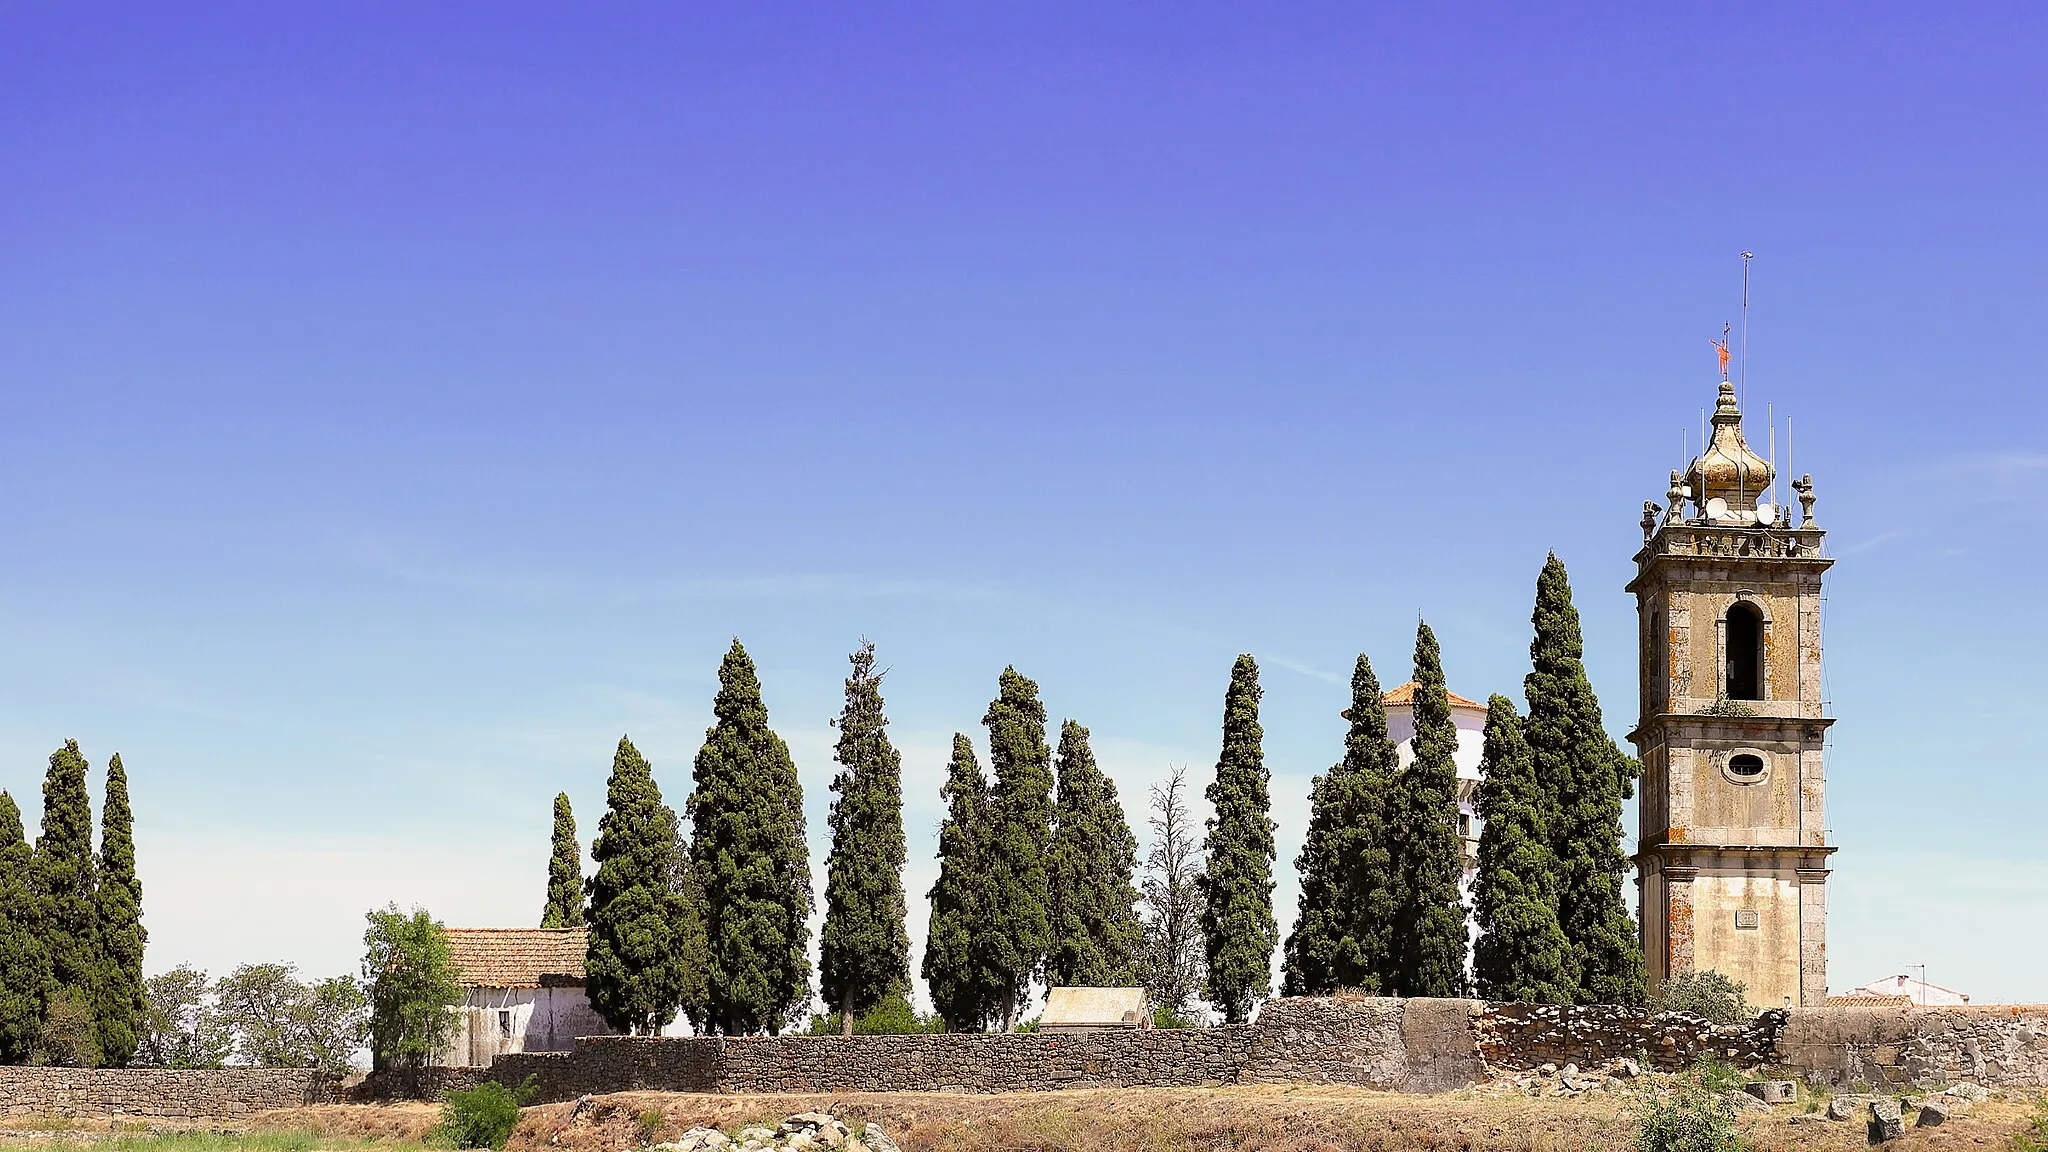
1773,1091
1932,1114
1843,1108
878,1140
1968,1091
1743,1101
1626,1068
1887,1121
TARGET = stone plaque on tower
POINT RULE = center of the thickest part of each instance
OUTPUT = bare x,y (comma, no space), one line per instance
1732,855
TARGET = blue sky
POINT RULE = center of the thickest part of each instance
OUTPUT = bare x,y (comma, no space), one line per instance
398,405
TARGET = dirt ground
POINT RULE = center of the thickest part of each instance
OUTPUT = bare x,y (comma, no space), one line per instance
1241,1119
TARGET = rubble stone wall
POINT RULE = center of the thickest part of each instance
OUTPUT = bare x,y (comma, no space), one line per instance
160,1093
1523,1036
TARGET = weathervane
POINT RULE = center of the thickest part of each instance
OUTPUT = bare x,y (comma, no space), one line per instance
1721,347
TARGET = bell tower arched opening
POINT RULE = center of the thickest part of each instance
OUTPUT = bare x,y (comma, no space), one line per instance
1745,639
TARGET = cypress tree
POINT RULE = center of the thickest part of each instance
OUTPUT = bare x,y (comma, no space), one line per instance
24,962
565,871
1237,887
1020,830
964,993
1429,916
1092,903
1520,953
635,980
748,856
692,950
121,1003
1341,933
864,949
1584,777
65,895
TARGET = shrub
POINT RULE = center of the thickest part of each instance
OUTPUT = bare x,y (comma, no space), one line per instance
894,1016
1708,994
1694,1117
2034,1137
483,1116
1164,1016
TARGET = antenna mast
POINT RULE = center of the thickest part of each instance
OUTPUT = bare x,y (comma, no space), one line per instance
1742,367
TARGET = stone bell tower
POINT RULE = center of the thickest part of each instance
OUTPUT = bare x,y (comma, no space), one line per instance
1732,854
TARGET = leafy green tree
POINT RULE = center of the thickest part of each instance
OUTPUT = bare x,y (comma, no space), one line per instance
750,861
864,949
70,1036
120,1004
1020,831
180,1029
1584,778
565,871
1091,905
1341,936
1429,916
67,901
280,1021
1520,953
413,988
966,994
1173,959
24,961
633,970
1237,886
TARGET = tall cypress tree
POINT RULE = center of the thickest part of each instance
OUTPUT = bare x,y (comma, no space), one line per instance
1342,930
1092,903
24,961
692,949
121,1005
1584,777
750,861
68,909
1520,953
635,978
1020,830
1237,888
964,991
864,949
565,871
1429,916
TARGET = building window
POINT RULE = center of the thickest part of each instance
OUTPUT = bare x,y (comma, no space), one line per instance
1745,638
1465,824
1745,766
505,1025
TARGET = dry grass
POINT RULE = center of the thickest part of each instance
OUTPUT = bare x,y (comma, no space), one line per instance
1236,1119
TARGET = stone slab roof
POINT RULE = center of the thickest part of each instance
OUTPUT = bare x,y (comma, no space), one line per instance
518,957
1070,1006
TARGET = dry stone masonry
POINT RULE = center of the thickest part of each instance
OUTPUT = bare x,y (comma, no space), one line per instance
160,1093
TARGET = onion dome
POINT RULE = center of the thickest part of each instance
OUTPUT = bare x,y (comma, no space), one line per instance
1728,471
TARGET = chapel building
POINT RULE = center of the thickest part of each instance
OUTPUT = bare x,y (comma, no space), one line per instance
1733,848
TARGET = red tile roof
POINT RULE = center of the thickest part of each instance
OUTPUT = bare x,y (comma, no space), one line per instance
517,957
1404,697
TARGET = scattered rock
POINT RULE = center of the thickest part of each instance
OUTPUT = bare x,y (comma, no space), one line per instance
1627,1069
1932,1114
878,1140
1807,1118
1744,1100
1547,1069
1887,1121
1773,1091
1843,1108
1968,1091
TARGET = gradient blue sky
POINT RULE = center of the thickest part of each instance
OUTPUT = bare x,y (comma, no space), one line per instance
398,403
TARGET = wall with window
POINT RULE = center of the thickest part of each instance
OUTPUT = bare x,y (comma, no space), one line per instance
498,1021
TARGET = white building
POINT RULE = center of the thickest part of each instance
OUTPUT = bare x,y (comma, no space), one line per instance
1470,718
523,993
1918,991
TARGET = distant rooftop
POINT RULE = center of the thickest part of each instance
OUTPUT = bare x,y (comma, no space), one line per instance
517,957
1404,697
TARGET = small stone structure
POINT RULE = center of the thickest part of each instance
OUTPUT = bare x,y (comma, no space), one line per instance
522,992
160,1093
1076,1010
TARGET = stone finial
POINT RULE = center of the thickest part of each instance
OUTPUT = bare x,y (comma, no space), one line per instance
1650,511
1804,486
1674,498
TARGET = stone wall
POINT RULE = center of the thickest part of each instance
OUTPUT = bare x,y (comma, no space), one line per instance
160,1093
1418,1045
1126,1058
1996,1046
1523,1036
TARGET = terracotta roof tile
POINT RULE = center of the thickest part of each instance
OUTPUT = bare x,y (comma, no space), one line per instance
1404,696
517,957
